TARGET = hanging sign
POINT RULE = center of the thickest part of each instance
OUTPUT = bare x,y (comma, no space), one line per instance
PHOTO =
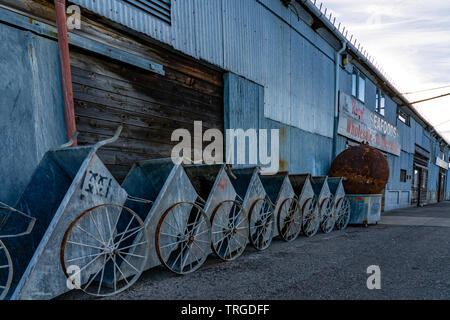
359,123
441,163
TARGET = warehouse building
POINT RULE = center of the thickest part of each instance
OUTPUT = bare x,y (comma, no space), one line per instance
158,65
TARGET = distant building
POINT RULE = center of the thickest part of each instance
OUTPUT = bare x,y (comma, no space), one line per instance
158,65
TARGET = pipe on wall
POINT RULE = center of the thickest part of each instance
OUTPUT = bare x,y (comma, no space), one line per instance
64,55
337,62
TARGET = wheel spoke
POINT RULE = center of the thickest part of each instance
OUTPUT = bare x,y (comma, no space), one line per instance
128,263
96,227
120,271
84,257
134,245
101,277
171,244
95,275
84,245
130,235
87,265
90,234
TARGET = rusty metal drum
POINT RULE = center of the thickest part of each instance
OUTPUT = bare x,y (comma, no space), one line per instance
365,170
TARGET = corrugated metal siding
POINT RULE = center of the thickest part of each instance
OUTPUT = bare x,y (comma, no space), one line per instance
184,36
433,169
277,71
292,64
300,151
391,111
119,11
247,38
371,92
396,164
419,134
406,136
426,140
209,30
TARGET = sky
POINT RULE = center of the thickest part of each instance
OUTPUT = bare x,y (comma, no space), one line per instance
410,39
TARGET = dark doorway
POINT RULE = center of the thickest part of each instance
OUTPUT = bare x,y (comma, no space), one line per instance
441,189
419,186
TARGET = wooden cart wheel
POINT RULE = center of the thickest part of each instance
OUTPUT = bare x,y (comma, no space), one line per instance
105,250
261,224
229,228
327,215
6,271
183,238
311,217
342,213
289,221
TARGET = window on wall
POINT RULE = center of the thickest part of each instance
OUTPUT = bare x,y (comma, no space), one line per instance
358,85
380,102
403,117
403,175
160,9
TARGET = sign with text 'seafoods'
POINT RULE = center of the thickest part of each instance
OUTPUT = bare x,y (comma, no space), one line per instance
359,123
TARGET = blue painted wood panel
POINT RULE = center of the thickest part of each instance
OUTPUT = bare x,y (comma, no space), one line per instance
31,106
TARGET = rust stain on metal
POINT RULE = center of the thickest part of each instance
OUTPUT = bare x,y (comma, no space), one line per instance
283,165
283,133
364,168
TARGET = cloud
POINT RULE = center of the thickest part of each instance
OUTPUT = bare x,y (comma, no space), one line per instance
411,41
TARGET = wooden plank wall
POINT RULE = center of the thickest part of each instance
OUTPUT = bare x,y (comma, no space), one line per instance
108,93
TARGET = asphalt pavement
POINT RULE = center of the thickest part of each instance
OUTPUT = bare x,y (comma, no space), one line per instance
411,247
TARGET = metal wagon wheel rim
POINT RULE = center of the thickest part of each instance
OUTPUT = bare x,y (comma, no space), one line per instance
6,270
261,224
183,238
311,217
289,220
328,215
229,228
342,213
115,246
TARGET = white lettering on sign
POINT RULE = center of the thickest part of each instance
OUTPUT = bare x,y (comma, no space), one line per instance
441,163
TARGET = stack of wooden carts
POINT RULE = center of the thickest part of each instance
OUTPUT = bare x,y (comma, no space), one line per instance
93,234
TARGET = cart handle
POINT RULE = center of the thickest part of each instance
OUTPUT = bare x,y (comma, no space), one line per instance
70,142
231,172
113,139
12,210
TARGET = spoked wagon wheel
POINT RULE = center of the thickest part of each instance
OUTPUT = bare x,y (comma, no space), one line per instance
105,250
289,221
229,228
327,214
261,224
311,217
183,238
342,213
6,271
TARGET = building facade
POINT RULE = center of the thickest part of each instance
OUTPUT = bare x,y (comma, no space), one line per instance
157,65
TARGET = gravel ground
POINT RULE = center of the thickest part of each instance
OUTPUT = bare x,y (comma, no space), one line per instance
414,263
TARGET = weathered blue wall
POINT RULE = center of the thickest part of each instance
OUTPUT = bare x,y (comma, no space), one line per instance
300,151
31,106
